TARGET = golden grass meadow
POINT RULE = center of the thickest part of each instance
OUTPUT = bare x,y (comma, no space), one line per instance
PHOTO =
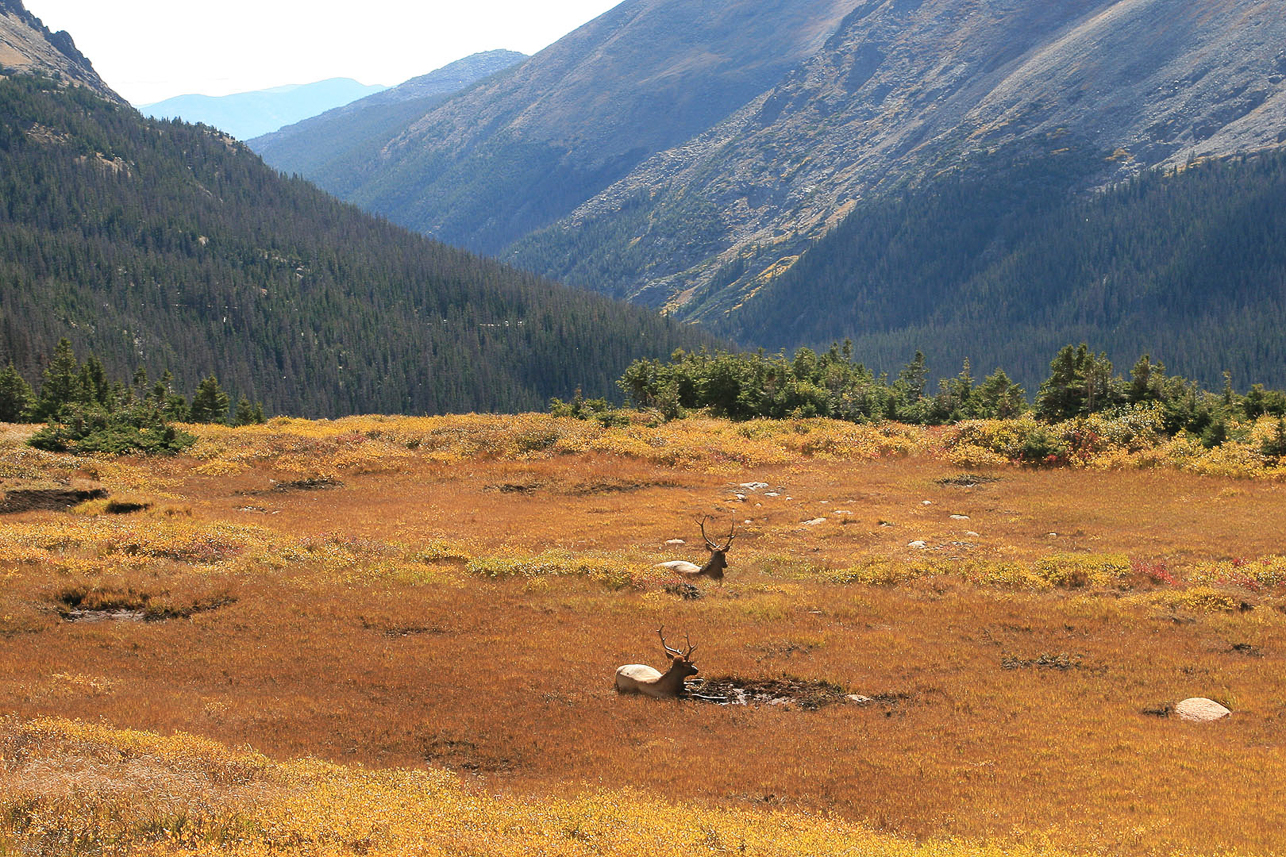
398,636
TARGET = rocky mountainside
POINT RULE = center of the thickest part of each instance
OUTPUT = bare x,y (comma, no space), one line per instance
27,46
517,152
904,89
321,147
252,114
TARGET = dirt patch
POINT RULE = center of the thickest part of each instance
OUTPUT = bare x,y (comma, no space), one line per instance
318,483
321,483
47,499
1061,662
79,605
786,691
585,488
516,487
461,754
617,486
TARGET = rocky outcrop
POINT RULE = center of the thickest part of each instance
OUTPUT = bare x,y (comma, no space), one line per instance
27,46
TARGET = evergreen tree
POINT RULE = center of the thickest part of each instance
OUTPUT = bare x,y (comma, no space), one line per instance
16,395
209,403
999,398
61,385
247,414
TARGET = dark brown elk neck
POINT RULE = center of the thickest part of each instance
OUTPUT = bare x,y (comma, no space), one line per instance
714,565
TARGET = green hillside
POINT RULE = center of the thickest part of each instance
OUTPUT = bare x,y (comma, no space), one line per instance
171,246
1002,264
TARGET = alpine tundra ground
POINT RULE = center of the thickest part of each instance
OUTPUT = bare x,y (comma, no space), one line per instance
399,635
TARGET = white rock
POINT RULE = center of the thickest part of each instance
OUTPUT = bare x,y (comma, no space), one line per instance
959,517
926,503
676,542
839,512
1200,710
824,502
814,522
741,497
772,494
747,521
858,699
971,534
917,544
753,486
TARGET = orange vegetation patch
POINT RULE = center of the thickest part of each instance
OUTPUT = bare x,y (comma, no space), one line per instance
462,604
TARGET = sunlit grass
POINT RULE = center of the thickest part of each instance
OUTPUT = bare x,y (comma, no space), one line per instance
416,622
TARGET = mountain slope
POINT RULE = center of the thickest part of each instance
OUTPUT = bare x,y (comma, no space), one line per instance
1001,267
343,141
251,114
515,153
27,45
165,245
903,90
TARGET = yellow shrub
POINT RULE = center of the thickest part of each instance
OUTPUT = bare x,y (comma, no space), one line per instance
1071,571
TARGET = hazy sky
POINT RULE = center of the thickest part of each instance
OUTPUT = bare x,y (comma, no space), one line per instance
148,50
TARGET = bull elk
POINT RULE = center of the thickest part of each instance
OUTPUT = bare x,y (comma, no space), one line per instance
714,566
641,678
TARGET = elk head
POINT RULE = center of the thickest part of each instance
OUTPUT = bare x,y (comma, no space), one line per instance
640,678
718,561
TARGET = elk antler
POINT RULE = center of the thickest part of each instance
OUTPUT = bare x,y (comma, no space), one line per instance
674,653
691,648
711,545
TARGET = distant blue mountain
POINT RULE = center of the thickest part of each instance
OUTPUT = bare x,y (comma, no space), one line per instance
251,114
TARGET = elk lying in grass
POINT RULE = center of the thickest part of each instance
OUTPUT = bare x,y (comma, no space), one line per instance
640,678
714,566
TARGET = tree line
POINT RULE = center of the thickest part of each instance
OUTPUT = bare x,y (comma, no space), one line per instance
88,411
832,383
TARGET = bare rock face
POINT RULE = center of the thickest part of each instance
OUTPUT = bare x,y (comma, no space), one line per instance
1200,710
904,89
27,46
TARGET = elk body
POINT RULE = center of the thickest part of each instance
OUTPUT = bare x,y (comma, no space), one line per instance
640,678
714,566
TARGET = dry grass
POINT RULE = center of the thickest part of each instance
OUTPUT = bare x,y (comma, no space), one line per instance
457,593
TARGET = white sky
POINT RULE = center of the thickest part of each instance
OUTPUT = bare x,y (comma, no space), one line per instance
149,50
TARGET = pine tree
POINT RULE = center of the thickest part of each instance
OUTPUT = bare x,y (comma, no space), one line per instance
209,403
247,414
16,395
61,385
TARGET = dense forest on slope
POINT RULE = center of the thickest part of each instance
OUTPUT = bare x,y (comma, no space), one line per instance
1001,265
170,246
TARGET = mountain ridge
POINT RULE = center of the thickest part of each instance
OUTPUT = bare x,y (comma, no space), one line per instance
317,145
27,45
246,115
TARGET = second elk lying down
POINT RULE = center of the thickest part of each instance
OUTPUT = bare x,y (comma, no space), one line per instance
640,678
714,566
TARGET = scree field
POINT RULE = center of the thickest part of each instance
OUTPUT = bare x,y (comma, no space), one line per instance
399,636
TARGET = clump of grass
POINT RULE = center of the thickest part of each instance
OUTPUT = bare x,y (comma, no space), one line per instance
611,571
